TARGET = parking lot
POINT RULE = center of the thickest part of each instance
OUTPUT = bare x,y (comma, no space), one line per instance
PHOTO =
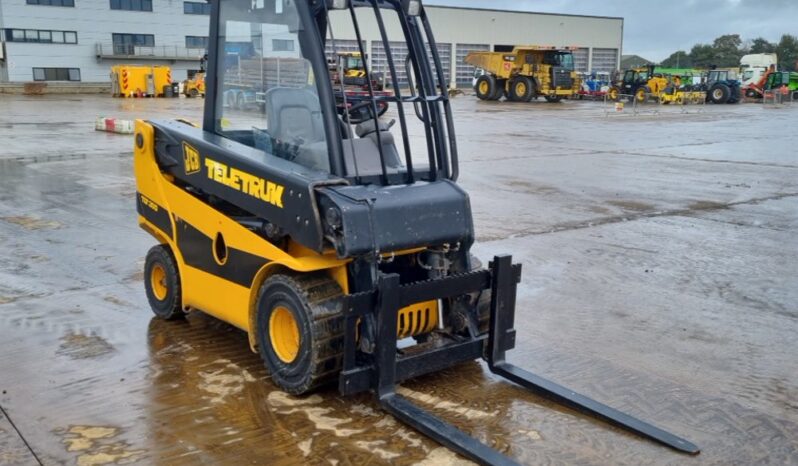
660,257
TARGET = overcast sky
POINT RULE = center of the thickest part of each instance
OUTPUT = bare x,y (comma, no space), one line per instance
655,29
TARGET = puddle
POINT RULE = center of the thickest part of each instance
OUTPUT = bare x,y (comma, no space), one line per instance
79,346
224,382
97,445
32,223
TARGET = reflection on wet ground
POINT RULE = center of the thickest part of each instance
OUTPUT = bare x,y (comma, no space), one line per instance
659,278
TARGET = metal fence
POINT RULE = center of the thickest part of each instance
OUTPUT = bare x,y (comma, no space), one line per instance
777,98
162,52
682,101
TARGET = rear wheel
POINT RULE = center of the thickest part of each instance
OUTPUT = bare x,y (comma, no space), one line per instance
719,94
162,283
299,329
613,93
553,98
486,87
520,89
193,92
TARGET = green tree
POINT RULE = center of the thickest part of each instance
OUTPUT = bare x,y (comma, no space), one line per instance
678,59
761,45
788,52
726,50
703,55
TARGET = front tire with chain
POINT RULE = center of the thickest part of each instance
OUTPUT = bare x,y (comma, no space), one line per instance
299,327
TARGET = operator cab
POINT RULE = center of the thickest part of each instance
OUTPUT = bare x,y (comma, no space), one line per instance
563,60
274,92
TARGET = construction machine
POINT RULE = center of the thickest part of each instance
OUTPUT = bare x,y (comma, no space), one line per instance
352,66
195,85
722,86
526,73
783,82
341,249
639,84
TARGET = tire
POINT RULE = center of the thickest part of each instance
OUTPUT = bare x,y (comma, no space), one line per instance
520,89
193,92
614,93
482,299
307,353
640,93
239,105
719,93
162,283
485,87
553,99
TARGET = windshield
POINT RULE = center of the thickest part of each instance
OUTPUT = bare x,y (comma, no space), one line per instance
267,97
562,59
354,63
566,60
748,74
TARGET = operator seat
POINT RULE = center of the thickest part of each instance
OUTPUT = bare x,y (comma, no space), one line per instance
296,132
296,128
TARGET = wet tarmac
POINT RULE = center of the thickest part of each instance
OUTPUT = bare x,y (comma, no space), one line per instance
660,258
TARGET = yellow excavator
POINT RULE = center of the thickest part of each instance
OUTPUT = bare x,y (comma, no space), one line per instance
339,247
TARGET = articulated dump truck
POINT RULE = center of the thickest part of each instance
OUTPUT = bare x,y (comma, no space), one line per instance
526,73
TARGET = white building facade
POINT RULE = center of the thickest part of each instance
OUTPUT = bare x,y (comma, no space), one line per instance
79,40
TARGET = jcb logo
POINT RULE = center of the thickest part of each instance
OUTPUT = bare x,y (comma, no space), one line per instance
191,159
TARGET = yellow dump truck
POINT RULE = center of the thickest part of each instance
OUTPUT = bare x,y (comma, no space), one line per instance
140,81
526,73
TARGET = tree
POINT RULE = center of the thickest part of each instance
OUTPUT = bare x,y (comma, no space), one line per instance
726,50
703,55
761,45
678,59
788,52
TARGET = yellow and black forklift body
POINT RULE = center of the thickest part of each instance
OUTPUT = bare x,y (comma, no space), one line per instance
328,242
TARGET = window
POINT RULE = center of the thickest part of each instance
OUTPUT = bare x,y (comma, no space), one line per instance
52,2
283,82
282,45
196,42
125,44
41,36
196,8
56,74
132,5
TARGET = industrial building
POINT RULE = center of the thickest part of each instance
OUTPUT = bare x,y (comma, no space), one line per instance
79,40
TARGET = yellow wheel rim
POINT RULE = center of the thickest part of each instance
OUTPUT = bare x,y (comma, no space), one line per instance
641,95
284,334
483,87
613,94
520,88
158,282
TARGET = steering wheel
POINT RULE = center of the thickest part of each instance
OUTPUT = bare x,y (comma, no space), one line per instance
357,116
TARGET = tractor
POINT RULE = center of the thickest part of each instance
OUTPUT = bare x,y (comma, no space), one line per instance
722,87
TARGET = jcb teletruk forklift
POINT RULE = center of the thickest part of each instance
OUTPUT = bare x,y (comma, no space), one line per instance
343,253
